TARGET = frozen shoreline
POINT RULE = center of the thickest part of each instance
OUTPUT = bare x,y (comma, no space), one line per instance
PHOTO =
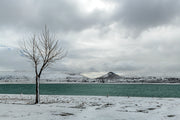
20,107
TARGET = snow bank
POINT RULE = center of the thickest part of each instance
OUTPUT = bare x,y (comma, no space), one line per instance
21,107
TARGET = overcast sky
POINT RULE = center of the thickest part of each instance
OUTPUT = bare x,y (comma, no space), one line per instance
139,37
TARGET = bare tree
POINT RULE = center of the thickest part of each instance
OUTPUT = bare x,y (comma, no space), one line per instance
42,50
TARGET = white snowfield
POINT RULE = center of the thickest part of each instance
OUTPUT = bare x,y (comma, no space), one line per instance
57,107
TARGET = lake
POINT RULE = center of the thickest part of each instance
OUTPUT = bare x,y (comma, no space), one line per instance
138,90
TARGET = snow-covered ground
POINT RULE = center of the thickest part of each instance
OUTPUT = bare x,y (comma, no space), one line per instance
21,107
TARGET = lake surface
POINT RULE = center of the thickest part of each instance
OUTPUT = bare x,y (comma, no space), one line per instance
138,90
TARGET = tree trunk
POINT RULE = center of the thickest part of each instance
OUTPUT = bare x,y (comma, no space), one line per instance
37,89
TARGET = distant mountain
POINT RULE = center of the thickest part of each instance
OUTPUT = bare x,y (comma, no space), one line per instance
109,76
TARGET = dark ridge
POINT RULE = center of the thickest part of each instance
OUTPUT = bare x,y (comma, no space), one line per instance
110,76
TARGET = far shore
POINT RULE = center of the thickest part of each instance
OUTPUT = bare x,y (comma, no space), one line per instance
82,83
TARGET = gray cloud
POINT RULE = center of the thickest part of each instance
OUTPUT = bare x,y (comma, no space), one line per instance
63,15
97,40
68,15
11,60
139,15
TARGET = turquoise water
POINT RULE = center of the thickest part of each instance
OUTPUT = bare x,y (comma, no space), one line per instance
138,90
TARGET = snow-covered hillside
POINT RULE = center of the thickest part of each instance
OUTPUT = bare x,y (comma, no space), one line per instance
111,77
47,77
69,77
